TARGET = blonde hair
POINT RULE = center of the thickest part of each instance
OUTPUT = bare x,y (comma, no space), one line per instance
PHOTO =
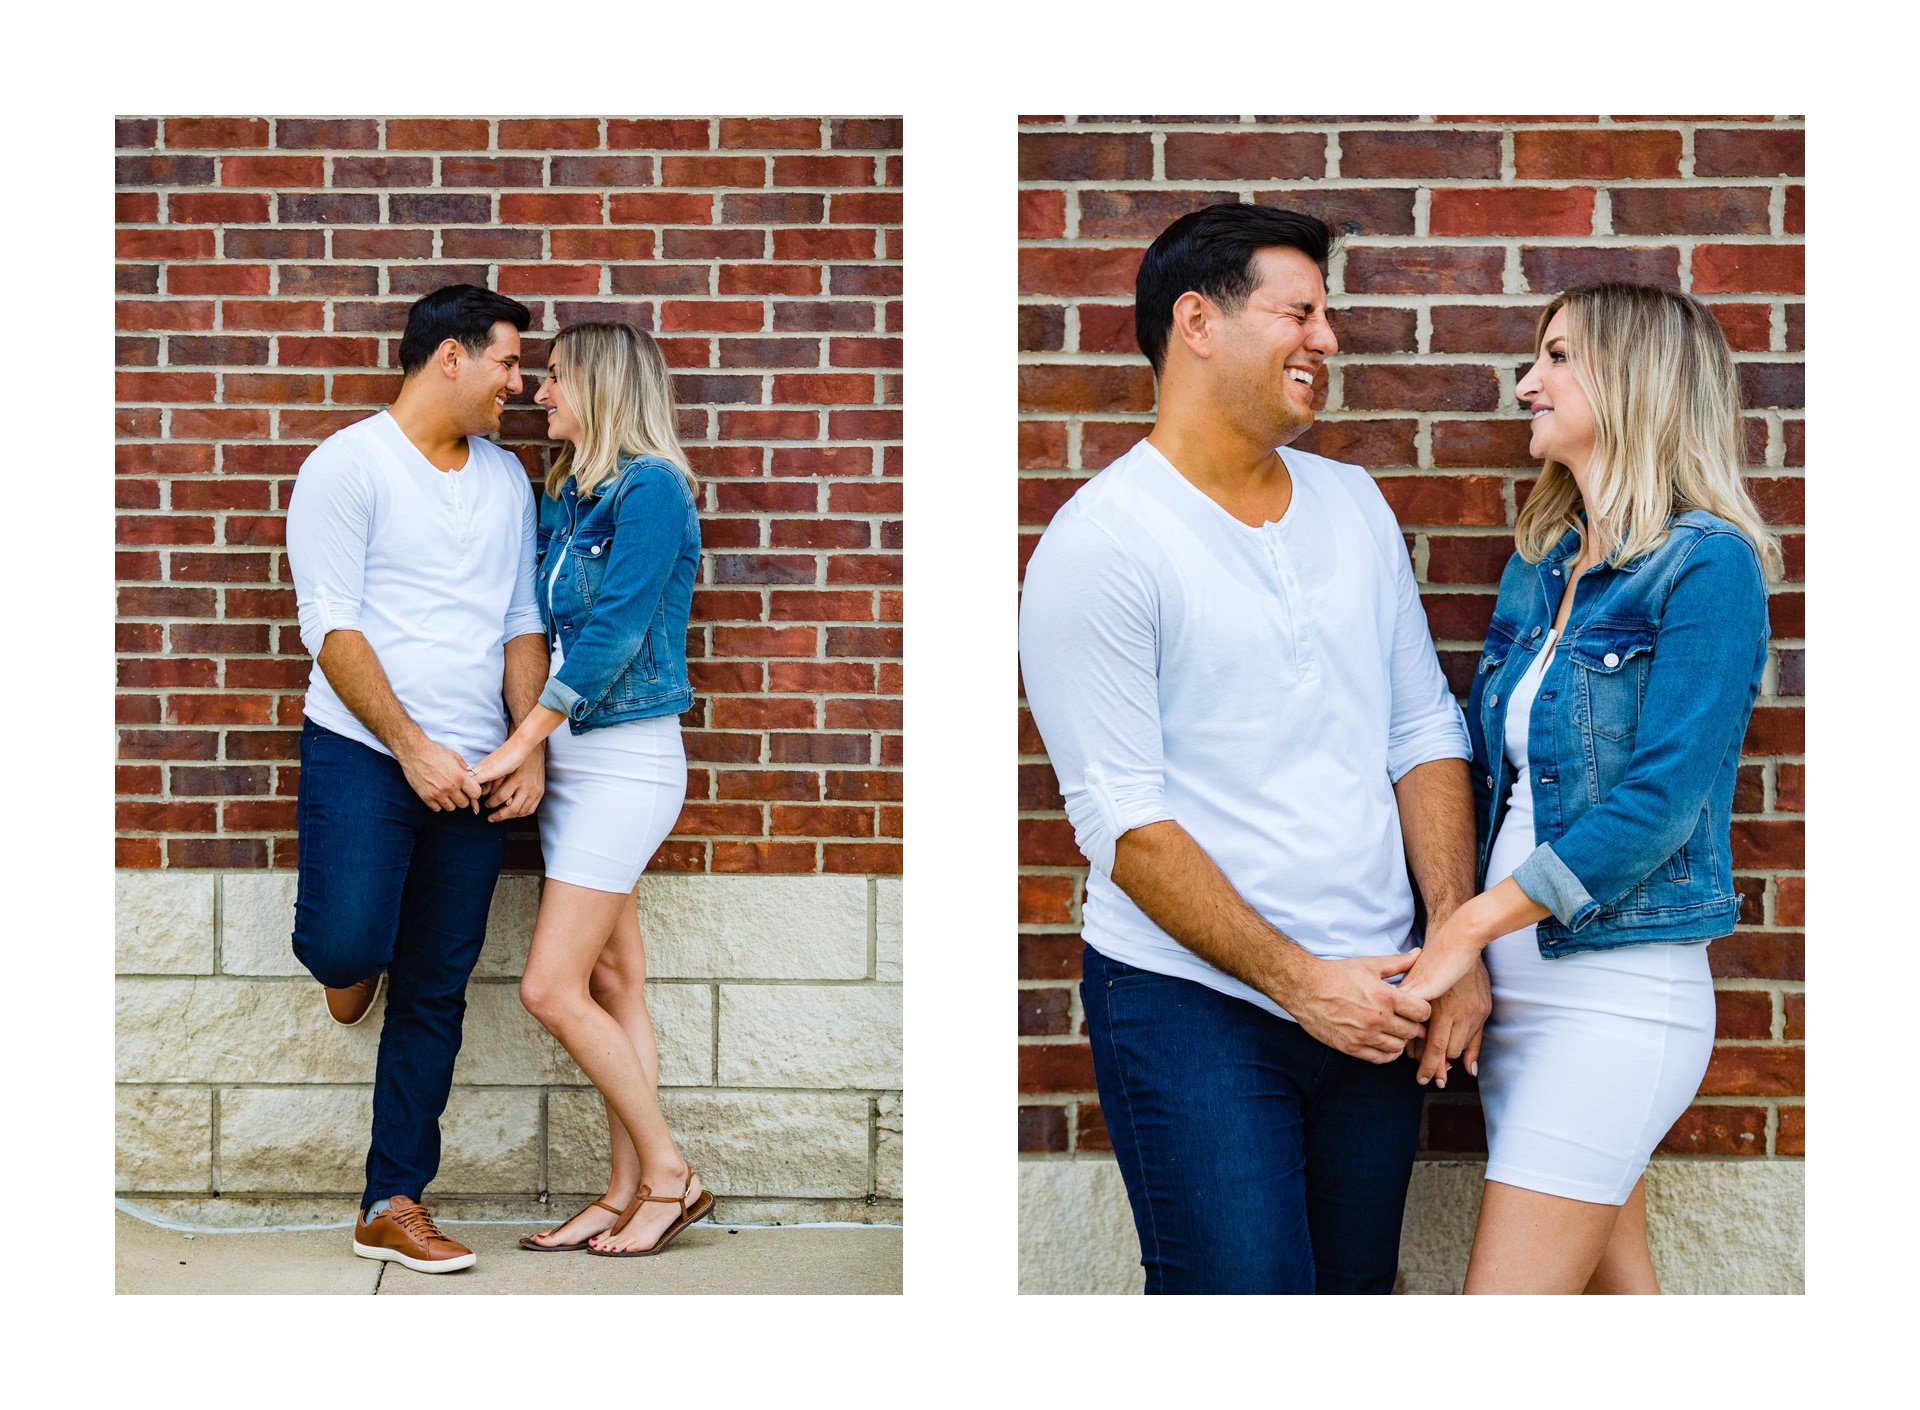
1666,408
620,391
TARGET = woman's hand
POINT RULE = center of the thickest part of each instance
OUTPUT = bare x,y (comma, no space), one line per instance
501,761
1449,954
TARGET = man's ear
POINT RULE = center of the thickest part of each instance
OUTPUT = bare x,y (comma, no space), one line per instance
447,357
1193,316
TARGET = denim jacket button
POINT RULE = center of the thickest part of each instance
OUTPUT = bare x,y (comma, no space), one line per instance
1536,631
596,550
1489,780
1493,699
1611,659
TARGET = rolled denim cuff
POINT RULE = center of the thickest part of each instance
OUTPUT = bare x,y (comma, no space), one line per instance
559,696
1548,882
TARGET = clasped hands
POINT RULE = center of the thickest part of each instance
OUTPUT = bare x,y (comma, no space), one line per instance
511,780
1435,1014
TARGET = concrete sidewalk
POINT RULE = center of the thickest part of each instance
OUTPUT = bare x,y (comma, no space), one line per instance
708,1258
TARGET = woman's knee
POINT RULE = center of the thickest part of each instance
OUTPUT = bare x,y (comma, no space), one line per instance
550,998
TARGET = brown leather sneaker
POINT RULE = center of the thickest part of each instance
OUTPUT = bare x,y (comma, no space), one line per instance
351,1004
404,1232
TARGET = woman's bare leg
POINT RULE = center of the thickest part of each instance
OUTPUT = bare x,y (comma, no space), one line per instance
618,986
574,928
1528,1242
1626,1266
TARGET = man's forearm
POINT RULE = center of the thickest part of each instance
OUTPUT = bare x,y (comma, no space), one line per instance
357,677
525,674
1435,801
1169,876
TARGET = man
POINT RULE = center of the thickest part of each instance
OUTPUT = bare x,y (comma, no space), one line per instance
411,541
1225,653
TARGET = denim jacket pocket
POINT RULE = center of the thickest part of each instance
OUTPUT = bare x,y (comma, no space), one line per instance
1612,680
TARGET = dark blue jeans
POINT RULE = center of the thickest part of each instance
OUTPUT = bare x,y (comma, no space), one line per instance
1256,1158
388,884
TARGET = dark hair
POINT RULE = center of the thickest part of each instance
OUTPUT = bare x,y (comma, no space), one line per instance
1210,252
463,312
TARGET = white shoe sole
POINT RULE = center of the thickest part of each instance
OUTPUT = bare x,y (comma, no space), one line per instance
419,1265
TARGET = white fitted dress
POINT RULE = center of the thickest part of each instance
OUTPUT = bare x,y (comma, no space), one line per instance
1589,1059
613,795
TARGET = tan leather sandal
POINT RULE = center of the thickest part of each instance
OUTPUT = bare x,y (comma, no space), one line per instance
689,1214
532,1241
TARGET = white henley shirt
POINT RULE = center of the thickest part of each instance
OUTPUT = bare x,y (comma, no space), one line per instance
1262,687
434,568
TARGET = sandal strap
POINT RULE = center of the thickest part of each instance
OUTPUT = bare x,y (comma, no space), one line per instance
679,1199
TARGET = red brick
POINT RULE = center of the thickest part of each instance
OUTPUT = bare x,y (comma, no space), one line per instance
761,857
1755,1071
550,208
1428,270
1750,269
1736,152
1459,559
1473,444
1743,1013
1767,844
826,243
713,171
1044,1012
219,207
867,208
668,134
1043,215
1043,1129
277,172
164,817
1046,900
1406,387
1796,210
1086,157
1511,210
436,134
1420,154
218,279
1717,1130
1245,156
1078,270
1079,386
1690,210
1444,499
602,171
216,132
1614,154
602,244
1372,443
1550,268
1759,954
1049,957
856,857
492,171
234,854
1109,215
823,171
343,133
549,134
661,208
763,133
1776,729
1056,1067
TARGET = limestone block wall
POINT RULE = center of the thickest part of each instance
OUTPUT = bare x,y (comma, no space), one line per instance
1715,1226
775,1000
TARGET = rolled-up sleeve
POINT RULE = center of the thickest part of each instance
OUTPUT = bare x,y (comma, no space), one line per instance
1425,721
523,608
1699,695
1089,660
329,520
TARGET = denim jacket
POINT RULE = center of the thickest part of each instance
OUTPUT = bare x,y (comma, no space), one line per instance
621,602
1634,737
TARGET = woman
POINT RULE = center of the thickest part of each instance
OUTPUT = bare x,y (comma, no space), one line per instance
1607,714
619,548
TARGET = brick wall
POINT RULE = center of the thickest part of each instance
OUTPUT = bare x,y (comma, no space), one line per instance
1457,230
265,268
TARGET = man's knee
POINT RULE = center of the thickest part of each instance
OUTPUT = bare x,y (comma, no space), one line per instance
342,945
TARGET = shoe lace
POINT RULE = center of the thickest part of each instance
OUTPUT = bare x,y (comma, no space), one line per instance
417,1222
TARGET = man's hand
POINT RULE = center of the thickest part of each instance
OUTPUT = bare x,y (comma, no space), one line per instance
1349,1006
518,792
439,776
1454,1028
